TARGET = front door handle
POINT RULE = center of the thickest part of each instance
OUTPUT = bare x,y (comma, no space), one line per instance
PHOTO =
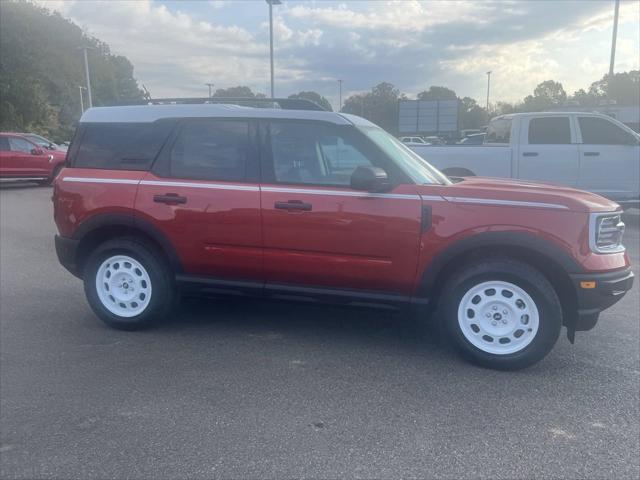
529,154
591,154
294,205
169,198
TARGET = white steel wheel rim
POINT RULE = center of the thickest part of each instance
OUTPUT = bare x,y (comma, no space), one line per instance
123,286
498,317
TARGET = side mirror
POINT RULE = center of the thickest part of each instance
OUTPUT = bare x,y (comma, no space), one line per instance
36,151
370,179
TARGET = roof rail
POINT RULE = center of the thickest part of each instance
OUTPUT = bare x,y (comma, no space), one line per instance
283,103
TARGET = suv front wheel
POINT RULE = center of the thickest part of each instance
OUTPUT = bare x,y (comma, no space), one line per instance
127,285
501,313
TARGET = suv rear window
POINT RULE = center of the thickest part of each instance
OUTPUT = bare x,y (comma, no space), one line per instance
549,131
120,146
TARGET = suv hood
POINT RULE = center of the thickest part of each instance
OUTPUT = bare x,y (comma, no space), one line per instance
522,191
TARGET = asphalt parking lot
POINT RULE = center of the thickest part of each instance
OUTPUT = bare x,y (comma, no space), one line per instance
270,390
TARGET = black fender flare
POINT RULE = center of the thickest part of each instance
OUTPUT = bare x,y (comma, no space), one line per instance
133,223
520,240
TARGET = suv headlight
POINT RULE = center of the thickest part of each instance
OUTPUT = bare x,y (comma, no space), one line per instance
605,232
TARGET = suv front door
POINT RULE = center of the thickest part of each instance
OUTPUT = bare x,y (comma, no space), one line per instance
26,159
317,230
203,194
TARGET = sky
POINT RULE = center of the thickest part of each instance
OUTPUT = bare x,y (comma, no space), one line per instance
178,46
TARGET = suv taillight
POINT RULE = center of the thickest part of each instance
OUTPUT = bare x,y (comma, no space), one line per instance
605,232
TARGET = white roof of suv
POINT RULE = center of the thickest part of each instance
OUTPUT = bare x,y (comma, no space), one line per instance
151,113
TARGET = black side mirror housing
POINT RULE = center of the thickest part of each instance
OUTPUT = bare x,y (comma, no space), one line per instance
370,179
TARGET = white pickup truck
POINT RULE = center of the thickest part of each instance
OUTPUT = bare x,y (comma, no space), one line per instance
588,151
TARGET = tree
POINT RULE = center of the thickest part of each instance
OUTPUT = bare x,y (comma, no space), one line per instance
547,94
314,97
239,91
437,93
380,105
471,114
623,88
41,69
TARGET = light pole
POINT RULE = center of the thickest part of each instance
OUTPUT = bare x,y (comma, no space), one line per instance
80,87
340,104
488,87
210,85
613,40
86,72
271,4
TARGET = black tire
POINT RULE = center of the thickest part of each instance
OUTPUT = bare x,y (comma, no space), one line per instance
162,299
521,275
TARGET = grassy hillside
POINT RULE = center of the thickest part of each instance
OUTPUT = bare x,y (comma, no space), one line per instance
41,69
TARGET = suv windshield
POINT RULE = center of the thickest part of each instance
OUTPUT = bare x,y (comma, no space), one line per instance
410,162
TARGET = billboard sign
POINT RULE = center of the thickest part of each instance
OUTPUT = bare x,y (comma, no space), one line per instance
428,116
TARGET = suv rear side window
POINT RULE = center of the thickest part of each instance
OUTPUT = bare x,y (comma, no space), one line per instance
120,146
313,153
211,150
4,144
598,131
549,131
499,131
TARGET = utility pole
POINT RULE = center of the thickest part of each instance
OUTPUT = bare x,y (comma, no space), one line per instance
86,72
488,87
340,104
80,87
271,4
613,40
210,85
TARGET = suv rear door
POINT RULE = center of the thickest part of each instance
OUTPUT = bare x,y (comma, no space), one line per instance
203,194
320,232
548,150
609,159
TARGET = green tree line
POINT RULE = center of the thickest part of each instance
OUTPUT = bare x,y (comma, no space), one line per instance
41,69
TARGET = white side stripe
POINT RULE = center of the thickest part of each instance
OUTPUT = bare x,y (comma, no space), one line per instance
309,191
340,193
125,181
213,186
509,203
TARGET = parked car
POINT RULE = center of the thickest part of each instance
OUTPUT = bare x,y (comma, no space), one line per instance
435,140
44,142
470,131
473,139
413,140
21,159
162,200
589,151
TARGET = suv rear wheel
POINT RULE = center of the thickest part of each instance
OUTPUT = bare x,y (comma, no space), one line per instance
501,313
126,285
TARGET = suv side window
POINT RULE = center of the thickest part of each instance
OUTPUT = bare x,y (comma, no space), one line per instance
499,131
120,146
598,131
4,144
20,145
211,150
313,153
549,131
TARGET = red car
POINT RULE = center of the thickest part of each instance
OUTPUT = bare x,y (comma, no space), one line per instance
160,200
22,159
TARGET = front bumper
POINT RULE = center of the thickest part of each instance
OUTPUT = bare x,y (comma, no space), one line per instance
67,251
598,291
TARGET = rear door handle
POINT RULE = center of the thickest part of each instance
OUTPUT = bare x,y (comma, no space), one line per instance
529,154
294,205
169,198
591,154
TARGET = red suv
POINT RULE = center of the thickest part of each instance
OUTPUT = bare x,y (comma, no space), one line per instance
22,159
159,200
